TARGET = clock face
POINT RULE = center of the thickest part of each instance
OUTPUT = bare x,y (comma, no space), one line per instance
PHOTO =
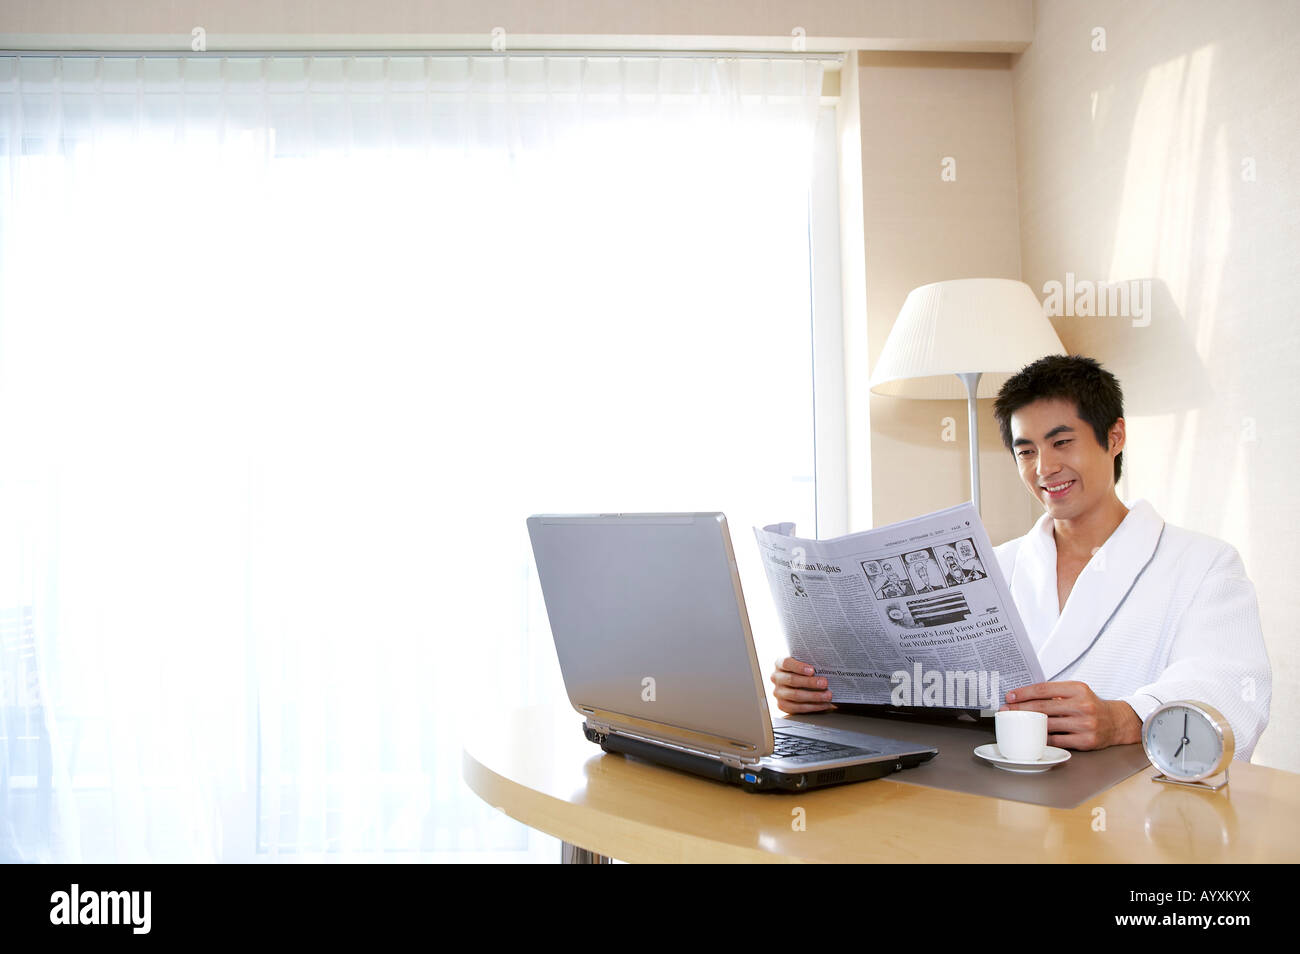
1182,742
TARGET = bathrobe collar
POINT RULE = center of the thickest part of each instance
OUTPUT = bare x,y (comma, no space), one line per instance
1103,585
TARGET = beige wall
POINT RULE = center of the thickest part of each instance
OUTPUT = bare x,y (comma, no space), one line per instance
998,25
1130,164
853,301
916,109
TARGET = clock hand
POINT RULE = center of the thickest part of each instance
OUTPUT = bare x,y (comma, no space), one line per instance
1183,744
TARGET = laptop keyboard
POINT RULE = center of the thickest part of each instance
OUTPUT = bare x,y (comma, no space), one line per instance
799,747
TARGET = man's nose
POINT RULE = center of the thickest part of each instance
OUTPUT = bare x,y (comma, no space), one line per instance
1047,464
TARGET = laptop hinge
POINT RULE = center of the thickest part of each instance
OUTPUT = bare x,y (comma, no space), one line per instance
727,758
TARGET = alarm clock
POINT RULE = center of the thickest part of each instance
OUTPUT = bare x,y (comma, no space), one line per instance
1189,742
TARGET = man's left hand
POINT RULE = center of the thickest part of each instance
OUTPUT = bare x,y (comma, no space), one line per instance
1076,718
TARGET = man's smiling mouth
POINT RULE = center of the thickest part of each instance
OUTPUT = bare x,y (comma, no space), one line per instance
1057,490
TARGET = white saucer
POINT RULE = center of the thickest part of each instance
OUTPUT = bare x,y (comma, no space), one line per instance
1052,756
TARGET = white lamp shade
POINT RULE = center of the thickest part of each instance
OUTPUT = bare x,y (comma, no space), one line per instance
994,326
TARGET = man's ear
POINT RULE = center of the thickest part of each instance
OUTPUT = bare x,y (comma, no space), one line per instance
1117,435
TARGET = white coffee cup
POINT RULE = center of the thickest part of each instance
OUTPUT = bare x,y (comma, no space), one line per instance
1022,735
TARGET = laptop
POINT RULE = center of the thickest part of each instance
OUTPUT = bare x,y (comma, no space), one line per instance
656,651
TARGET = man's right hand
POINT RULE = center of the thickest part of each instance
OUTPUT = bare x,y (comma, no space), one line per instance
798,689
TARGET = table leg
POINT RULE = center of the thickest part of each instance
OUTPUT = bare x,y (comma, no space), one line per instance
573,855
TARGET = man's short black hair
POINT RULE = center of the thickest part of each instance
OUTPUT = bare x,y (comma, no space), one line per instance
1094,391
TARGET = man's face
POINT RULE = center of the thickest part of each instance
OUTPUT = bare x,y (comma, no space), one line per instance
1059,458
951,560
924,574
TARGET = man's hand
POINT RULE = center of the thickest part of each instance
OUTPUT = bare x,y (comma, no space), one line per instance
1076,718
798,689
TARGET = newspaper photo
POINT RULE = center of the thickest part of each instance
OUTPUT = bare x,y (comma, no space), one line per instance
913,614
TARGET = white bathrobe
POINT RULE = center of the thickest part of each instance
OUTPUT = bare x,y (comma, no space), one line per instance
1159,614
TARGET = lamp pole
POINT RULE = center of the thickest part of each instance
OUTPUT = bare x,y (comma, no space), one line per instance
972,380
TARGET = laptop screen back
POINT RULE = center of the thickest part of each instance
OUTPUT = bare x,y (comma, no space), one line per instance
649,621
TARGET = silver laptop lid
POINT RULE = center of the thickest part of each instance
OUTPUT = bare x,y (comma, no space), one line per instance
650,627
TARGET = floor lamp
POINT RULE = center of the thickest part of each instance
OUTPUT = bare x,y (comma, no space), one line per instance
963,338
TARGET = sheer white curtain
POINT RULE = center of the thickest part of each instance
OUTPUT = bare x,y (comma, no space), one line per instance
291,346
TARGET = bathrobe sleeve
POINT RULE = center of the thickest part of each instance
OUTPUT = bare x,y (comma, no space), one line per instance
1217,654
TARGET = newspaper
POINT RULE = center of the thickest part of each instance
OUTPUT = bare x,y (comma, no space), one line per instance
913,614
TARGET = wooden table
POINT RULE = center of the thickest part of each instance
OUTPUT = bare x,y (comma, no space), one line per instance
535,765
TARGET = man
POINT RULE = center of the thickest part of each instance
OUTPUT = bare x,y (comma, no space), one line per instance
955,573
923,577
1124,611
896,586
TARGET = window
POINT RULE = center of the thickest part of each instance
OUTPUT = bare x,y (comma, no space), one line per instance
291,346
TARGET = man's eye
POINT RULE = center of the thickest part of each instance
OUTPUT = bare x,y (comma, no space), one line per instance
1064,440
1024,453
